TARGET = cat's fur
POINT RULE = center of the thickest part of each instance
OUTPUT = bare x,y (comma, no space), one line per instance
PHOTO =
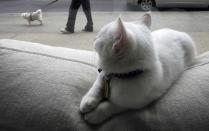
127,46
32,16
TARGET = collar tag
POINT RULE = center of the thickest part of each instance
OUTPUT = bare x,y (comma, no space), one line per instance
106,93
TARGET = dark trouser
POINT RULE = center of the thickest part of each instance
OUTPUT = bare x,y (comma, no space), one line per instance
75,4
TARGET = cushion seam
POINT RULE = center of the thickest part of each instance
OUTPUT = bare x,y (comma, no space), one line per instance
47,55
197,65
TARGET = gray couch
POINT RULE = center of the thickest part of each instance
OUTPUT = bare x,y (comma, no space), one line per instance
41,88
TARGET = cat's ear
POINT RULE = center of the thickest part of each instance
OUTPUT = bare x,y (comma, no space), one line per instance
146,19
121,35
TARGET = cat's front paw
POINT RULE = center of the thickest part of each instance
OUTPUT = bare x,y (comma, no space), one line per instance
88,103
97,116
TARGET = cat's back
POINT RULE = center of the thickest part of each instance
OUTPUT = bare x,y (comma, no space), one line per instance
171,42
167,42
166,35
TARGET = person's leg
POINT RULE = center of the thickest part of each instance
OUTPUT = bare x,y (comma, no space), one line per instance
87,11
74,6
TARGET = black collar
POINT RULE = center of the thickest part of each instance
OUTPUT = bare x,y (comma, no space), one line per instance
130,74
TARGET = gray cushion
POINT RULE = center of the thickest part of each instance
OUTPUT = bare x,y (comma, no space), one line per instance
41,88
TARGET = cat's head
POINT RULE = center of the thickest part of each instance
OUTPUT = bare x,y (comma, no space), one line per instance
123,46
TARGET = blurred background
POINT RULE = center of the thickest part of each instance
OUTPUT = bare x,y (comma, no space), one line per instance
191,16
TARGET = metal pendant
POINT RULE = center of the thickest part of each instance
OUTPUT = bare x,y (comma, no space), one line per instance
106,93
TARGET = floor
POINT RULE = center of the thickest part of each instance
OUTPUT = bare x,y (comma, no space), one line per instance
12,26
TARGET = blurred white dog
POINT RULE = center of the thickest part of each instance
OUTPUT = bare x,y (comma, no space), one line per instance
32,16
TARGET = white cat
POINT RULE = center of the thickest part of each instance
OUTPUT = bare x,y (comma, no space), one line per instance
32,16
140,66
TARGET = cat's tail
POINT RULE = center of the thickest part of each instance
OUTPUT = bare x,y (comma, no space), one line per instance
190,51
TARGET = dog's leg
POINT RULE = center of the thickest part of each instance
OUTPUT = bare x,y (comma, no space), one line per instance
41,22
29,22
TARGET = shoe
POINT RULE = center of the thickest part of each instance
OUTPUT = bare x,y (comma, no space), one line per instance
65,31
88,29
89,24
